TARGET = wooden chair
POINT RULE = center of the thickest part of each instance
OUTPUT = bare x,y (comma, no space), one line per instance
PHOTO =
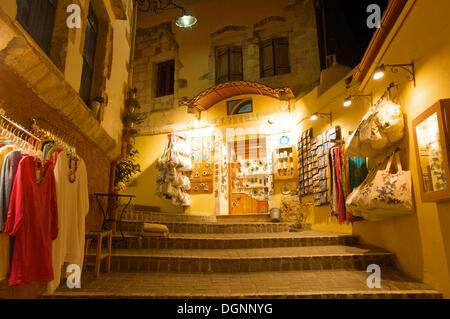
100,254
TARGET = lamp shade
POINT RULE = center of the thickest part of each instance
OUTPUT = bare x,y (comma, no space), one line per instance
348,102
186,21
379,72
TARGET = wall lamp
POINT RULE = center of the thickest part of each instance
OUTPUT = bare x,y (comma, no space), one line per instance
380,70
316,116
185,20
350,98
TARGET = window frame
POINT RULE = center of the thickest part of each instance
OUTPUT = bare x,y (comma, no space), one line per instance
88,56
166,68
272,42
38,22
230,49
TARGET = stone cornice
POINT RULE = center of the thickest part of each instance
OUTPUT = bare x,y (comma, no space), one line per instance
20,53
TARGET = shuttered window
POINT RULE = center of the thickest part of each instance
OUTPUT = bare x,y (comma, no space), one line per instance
90,44
229,64
38,18
166,78
275,57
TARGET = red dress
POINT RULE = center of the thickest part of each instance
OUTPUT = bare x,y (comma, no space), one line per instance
33,219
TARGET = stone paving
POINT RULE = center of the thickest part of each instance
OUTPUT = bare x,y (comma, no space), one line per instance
246,260
291,284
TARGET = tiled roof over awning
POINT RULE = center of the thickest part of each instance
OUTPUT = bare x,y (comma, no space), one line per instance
215,94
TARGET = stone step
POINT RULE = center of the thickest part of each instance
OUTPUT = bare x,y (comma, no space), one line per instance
161,217
244,218
239,241
250,260
336,284
211,228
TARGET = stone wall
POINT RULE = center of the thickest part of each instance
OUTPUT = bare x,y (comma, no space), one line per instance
154,45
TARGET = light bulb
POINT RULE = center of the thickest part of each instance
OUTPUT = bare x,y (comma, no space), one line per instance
379,72
348,102
186,21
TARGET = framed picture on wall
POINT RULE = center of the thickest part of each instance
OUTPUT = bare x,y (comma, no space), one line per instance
431,137
242,106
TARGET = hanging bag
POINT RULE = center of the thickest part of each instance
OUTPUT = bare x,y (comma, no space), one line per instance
391,121
383,194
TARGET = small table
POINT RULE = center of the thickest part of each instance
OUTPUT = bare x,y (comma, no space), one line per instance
98,236
130,197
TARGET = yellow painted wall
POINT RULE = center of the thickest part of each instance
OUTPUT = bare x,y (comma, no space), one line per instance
420,241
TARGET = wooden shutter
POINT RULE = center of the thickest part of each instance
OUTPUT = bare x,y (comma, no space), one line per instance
90,44
38,18
222,60
267,59
235,66
281,53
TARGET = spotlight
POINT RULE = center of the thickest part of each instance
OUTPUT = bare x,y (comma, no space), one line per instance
348,101
379,72
314,117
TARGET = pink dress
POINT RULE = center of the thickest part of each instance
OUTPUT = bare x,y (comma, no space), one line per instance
33,219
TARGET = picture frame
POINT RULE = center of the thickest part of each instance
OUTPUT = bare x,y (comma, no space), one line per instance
431,136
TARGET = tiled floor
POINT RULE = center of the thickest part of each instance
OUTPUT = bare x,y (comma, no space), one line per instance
263,284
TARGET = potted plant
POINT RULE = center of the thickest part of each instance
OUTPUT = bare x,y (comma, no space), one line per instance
126,169
96,104
136,118
132,93
128,134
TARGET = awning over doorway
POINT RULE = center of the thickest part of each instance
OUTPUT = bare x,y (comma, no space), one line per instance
215,94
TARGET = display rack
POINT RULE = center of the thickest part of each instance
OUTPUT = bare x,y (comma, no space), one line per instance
286,164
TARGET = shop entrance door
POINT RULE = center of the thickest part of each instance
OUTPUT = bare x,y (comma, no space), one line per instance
248,175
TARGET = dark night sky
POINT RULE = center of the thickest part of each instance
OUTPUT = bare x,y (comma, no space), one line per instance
347,31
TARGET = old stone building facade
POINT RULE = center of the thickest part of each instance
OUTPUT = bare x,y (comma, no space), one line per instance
159,40
45,86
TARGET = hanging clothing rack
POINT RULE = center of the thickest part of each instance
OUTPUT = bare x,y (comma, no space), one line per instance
67,140
17,126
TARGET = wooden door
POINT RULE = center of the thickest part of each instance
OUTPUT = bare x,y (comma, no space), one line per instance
247,149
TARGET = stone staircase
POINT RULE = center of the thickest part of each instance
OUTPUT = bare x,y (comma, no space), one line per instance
207,258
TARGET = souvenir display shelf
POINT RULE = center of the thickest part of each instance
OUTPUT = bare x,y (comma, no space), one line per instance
286,165
305,160
202,155
314,163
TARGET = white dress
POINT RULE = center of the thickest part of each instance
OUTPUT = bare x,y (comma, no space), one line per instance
73,207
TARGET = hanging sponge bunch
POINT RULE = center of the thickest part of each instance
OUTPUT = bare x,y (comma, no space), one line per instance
174,165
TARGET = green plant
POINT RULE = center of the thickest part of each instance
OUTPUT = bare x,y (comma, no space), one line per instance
136,118
133,102
127,168
130,131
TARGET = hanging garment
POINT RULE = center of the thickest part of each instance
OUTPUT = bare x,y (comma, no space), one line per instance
33,219
357,171
4,238
73,207
339,183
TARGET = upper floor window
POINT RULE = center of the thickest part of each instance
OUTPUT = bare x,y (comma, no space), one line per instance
166,78
89,56
275,57
229,64
38,18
